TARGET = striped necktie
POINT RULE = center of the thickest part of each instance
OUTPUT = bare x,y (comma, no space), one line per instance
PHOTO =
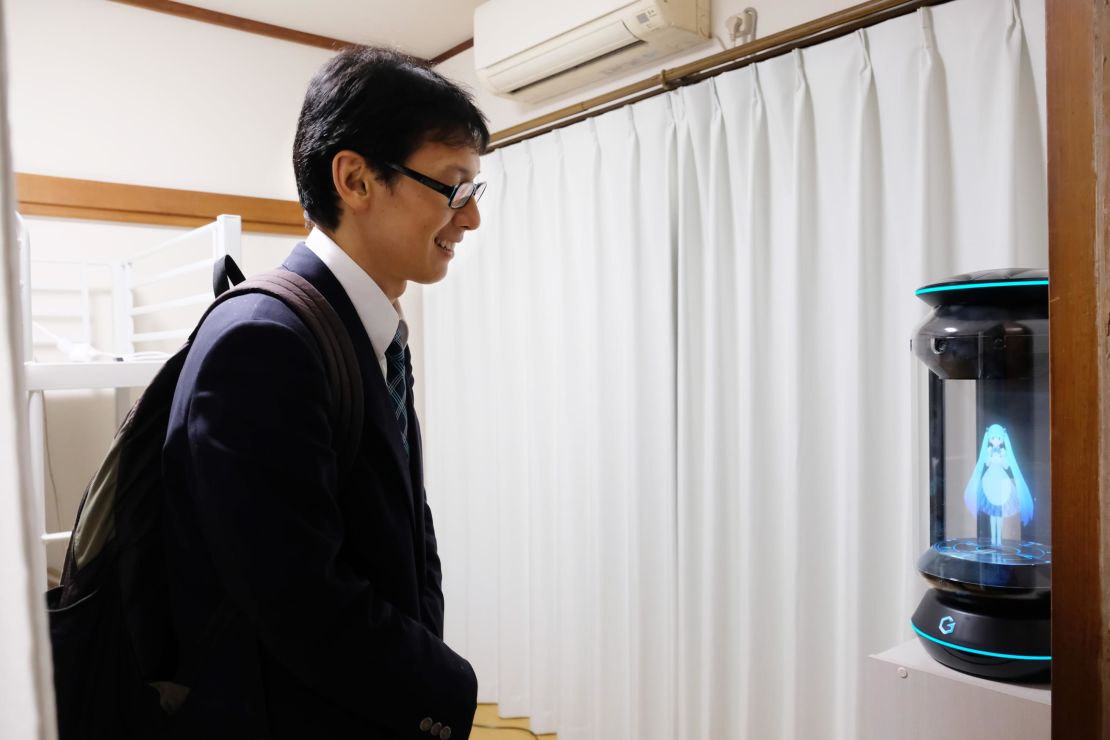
397,385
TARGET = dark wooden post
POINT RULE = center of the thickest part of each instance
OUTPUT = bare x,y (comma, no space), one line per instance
1079,314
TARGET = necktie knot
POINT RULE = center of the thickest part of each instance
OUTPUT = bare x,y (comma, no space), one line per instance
395,353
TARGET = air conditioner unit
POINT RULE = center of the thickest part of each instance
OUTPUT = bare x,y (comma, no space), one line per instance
530,50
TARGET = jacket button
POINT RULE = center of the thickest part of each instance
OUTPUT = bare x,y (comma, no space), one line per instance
425,724
435,729
445,733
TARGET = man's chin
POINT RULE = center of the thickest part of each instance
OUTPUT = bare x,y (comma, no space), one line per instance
431,277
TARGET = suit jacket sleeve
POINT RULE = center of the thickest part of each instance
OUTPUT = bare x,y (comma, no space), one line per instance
263,479
433,588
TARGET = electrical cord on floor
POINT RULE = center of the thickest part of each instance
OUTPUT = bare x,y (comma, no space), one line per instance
510,729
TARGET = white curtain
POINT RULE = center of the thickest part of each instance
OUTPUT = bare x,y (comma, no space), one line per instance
26,690
551,430
670,429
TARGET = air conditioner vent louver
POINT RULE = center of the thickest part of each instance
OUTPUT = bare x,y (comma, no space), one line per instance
533,51
524,88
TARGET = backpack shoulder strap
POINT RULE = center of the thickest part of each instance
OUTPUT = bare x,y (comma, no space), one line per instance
345,382
225,274
340,360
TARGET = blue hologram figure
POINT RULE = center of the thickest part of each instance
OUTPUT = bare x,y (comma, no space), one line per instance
997,487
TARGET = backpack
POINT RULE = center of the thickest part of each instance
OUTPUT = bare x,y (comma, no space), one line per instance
116,672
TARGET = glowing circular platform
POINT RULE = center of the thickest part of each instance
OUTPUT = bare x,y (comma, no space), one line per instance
1007,553
1012,568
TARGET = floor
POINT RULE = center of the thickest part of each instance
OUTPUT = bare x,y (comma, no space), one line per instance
516,728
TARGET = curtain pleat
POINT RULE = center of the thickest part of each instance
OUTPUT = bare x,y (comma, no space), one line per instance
672,434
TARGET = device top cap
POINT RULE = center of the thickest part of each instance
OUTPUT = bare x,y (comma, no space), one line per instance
1004,287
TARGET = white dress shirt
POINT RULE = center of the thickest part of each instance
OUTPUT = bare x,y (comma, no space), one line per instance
381,317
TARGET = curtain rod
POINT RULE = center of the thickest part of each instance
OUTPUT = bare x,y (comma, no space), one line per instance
822,29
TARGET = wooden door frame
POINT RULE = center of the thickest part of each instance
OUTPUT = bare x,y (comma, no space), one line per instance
1078,44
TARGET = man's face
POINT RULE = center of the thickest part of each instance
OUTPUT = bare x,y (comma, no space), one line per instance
413,230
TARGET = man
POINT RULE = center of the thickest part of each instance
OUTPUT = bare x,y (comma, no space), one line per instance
332,575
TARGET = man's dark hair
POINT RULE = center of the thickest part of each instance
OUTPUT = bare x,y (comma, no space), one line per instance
384,105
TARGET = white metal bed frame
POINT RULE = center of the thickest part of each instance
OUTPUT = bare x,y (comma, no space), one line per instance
121,373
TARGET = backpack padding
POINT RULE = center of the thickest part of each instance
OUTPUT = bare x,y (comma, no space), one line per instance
338,351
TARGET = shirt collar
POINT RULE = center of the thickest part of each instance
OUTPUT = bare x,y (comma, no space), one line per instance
379,316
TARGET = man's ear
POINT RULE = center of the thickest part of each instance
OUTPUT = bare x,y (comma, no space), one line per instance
352,178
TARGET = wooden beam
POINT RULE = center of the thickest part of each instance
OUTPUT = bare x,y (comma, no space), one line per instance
40,195
204,15
1078,41
453,51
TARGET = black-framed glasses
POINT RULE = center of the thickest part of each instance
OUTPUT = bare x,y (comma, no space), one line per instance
457,195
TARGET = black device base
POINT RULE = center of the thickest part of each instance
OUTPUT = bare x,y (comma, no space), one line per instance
1001,639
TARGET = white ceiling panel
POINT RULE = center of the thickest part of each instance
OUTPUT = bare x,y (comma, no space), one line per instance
425,28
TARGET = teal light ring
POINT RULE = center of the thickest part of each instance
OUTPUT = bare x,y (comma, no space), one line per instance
978,652
969,286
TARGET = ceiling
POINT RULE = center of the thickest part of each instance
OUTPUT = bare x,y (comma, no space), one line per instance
424,28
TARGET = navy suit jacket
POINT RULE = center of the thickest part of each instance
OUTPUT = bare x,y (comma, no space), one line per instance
332,576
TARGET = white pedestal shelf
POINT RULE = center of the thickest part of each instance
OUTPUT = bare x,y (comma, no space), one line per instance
910,696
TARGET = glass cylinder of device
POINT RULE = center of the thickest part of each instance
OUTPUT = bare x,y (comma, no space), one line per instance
985,350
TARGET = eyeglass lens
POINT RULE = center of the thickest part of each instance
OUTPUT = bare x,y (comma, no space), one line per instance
464,193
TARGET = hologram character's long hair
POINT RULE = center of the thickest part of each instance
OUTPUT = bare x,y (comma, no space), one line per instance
976,500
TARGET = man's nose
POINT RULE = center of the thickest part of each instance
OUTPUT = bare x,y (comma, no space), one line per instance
468,216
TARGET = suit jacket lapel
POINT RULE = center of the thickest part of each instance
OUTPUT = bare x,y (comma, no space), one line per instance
379,418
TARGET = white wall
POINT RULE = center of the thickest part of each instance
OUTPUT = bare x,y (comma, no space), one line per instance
105,91
773,16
